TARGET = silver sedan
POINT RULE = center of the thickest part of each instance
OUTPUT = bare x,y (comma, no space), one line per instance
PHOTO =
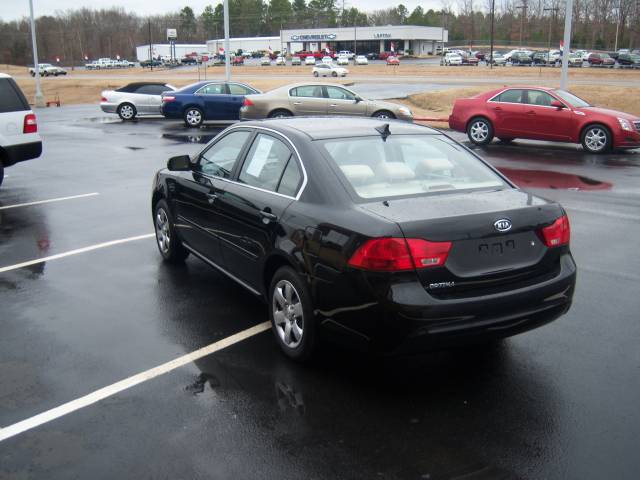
135,99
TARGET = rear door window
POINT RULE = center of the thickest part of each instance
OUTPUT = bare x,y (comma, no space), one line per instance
11,97
235,89
266,162
313,91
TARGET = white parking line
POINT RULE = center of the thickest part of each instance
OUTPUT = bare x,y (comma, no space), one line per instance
101,394
75,252
59,199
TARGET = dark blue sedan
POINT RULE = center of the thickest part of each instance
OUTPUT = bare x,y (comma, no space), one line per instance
202,101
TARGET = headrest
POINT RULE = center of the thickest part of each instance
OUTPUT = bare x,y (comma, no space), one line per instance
357,174
394,171
435,164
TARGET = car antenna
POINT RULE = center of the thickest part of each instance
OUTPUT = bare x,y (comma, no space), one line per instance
384,131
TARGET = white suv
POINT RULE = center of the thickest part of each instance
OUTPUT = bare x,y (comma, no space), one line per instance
19,139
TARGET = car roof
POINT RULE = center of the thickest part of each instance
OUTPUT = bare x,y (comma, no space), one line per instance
140,84
319,128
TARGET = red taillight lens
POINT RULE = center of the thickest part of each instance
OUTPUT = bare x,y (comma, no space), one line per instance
558,233
247,103
168,98
396,254
30,124
103,99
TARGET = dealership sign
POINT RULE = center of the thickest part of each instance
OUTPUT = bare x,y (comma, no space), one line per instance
381,35
314,37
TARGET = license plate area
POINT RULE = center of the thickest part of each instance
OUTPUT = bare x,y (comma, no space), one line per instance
492,255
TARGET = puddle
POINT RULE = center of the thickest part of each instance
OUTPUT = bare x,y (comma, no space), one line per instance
552,180
101,120
202,138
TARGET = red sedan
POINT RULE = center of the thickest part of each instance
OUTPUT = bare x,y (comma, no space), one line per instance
540,113
393,60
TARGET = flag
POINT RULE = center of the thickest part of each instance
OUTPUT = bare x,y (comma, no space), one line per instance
117,57
327,50
393,47
270,50
221,51
86,57
58,59
562,45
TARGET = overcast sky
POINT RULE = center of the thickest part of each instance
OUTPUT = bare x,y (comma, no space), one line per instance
13,9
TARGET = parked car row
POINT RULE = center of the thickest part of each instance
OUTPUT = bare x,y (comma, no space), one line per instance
108,63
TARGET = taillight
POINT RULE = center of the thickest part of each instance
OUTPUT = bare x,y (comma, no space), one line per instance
396,254
247,103
103,99
30,124
168,98
558,233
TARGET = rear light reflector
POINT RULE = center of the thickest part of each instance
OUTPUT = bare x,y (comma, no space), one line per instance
558,233
247,103
397,254
30,124
168,98
103,99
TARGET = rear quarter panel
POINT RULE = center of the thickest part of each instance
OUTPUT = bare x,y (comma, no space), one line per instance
464,109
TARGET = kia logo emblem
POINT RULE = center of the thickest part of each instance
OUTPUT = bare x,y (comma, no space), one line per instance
503,225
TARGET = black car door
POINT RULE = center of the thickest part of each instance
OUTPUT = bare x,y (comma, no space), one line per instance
196,193
253,204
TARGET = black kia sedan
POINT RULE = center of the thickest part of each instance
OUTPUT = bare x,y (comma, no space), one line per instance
386,235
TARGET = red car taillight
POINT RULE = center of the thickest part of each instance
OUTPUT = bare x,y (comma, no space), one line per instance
103,99
558,233
247,103
168,98
396,254
30,124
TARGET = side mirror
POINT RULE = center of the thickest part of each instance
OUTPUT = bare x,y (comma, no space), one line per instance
558,104
358,99
181,163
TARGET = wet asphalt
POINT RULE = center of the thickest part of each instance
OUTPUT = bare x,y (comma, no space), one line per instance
560,402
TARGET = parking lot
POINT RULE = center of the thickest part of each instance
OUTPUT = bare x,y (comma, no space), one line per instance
557,402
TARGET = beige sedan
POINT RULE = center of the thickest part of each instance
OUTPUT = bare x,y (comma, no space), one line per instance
318,99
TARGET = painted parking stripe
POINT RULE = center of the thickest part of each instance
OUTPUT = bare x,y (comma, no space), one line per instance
127,383
75,252
51,200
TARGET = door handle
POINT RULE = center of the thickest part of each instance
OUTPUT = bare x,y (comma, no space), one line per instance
211,197
531,112
297,103
497,108
333,105
267,216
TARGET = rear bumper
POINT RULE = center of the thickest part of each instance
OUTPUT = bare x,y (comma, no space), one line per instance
171,110
108,107
409,320
22,152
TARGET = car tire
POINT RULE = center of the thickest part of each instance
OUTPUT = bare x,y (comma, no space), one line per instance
596,139
169,244
127,111
193,117
1,172
316,74
280,113
384,115
334,74
480,131
291,313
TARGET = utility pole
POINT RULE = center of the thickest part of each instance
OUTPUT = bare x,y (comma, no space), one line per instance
227,59
493,14
39,98
619,8
567,45
522,15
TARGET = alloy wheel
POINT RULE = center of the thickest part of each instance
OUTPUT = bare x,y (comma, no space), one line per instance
595,139
163,233
194,117
126,112
479,131
288,314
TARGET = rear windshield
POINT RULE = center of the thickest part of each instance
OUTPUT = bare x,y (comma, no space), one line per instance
406,165
11,97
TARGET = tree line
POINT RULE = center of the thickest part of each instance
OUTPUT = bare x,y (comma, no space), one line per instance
88,33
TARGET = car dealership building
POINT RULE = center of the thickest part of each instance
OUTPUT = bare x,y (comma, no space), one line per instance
421,40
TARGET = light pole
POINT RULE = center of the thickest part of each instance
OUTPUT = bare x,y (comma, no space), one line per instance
619,9
555,11
227,59
522,15
567,45
493,13
39,98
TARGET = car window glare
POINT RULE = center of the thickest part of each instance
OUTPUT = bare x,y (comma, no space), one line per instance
265,163
220,158
407,165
